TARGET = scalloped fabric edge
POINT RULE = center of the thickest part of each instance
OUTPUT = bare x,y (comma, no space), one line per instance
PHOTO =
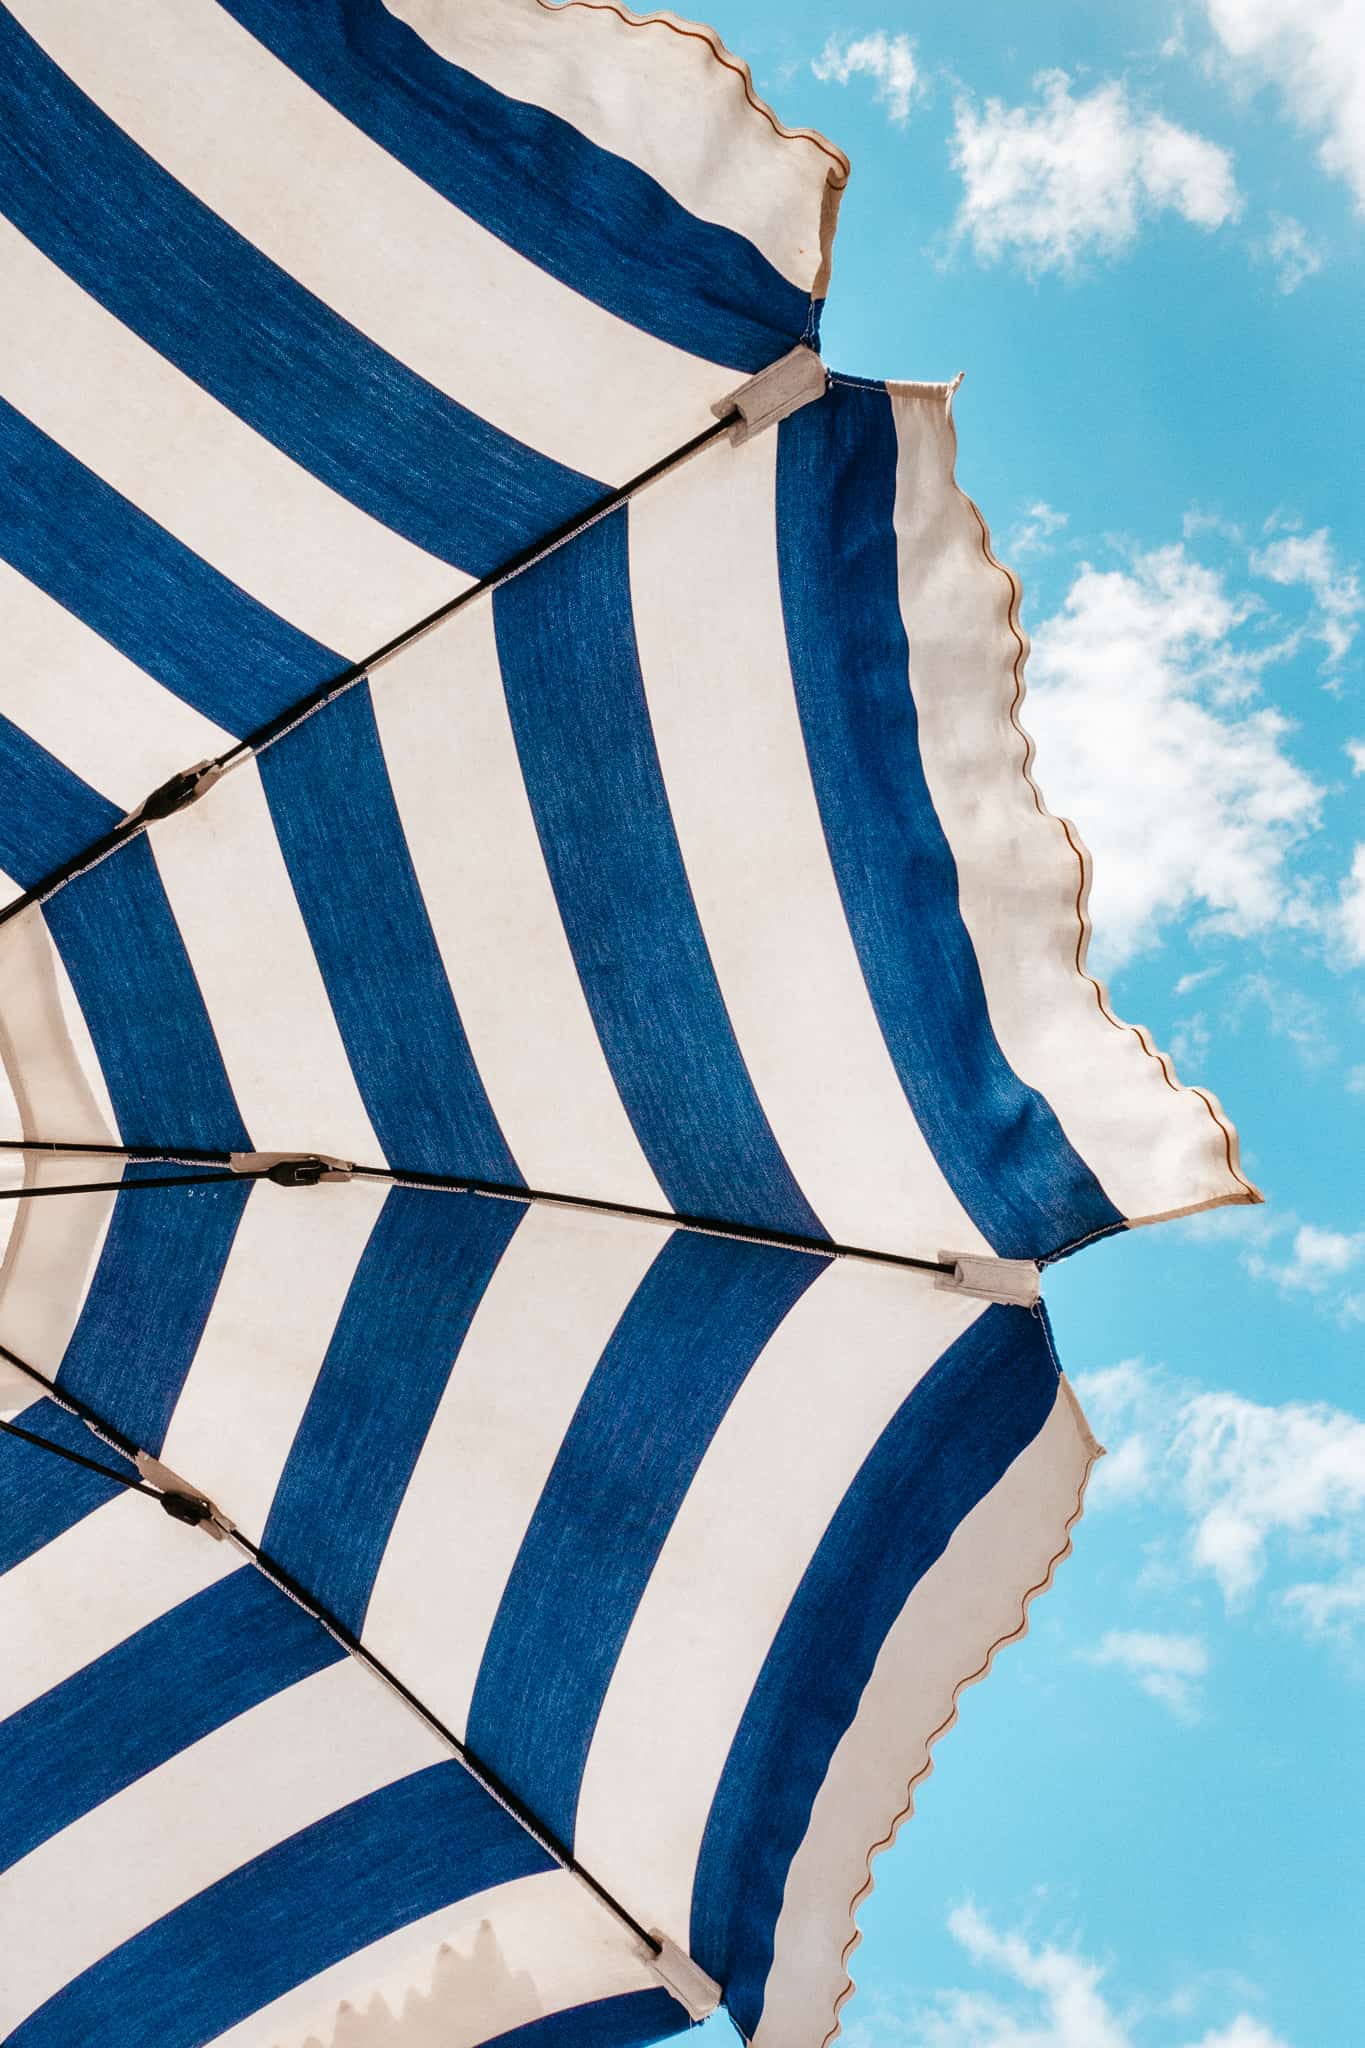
1095,1451
840,168
1013,630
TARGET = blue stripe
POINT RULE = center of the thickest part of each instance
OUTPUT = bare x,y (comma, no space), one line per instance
209,301
159,1268
589,218
566,643
997,1141
632,2021
206,1661
674,1363
46,812
137,991
41,1497
142,590
338,825
375,1866
420,1279
950,1442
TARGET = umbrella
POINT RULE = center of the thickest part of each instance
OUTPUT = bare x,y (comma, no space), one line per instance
532,1149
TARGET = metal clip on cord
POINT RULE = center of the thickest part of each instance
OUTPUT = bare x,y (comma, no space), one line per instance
291,1169
173,795
181,1501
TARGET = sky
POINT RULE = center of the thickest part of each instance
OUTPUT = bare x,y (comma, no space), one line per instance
1140,233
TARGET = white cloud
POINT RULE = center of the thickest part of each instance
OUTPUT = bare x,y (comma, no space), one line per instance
1196,522
1355,752
1251,1477
1119,1401
1055,1997
1244,2032
1332,1609
1251,1472
1315,55
1351,909
1287,1013
889,59
1036,531
1319,1258
1167,1667
1292,251
1187,982
1074,175
1310,559
1188,803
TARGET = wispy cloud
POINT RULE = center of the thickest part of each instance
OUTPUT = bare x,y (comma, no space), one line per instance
1071,175
1319,1260
1253,1479
1336,1609
1041,1994
1355,754
1189,982
1315,57
1292,251
1036,531
1310,560
1351,909
1168,1668
888,59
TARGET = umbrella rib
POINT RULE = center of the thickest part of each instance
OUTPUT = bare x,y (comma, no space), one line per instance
500,1191
182,788
195,1508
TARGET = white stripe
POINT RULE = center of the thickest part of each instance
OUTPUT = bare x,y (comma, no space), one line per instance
791,1444
99,1582
452,760
1154,1148
76,695
11,1123
52,1248
50,1258
376,243
713,652
284,1286
231,896
463,1976
670,99
45,1042
559,1290
171,449
965,1605
261,1777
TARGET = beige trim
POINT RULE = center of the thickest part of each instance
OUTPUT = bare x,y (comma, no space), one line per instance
1094,1452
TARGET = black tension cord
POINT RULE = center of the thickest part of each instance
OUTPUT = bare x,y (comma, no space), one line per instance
169,798
45,1443
127,1187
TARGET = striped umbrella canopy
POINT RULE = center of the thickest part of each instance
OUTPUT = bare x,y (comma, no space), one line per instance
539,1400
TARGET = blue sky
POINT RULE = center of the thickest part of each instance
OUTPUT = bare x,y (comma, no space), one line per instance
1140,234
